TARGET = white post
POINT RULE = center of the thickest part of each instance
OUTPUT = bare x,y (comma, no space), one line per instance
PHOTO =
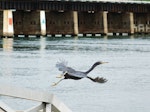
48,108
131,22
8,29
43,22
105,23
75,21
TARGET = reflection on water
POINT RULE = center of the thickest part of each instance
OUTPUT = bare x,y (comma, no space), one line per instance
42,43
31,63
7,44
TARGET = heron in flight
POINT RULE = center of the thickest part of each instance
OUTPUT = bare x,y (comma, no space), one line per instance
70,73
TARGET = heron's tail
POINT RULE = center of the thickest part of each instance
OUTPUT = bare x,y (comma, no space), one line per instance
98,79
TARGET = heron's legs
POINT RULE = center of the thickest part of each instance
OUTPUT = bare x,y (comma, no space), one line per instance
61,75
57,82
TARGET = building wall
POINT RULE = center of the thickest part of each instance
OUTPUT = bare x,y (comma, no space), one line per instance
27,22
72,22
142,22
118,23
59,22
89,22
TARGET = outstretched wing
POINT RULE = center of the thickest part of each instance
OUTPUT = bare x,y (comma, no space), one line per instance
62,66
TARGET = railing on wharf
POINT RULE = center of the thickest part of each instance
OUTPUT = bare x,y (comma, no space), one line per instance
49,102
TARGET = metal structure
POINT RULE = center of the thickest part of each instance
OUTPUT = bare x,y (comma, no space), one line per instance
67,17
76,5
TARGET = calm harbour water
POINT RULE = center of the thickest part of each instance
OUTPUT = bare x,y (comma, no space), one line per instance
30,63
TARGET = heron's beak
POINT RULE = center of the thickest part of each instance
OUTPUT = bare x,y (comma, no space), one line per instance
104,62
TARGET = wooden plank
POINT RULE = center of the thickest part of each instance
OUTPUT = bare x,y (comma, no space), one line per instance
36,108
5,107
60,105
54,109
1,110
24,93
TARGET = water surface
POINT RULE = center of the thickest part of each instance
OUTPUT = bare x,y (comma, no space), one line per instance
30,63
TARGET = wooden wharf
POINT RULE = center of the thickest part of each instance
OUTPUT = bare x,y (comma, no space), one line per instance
48,102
